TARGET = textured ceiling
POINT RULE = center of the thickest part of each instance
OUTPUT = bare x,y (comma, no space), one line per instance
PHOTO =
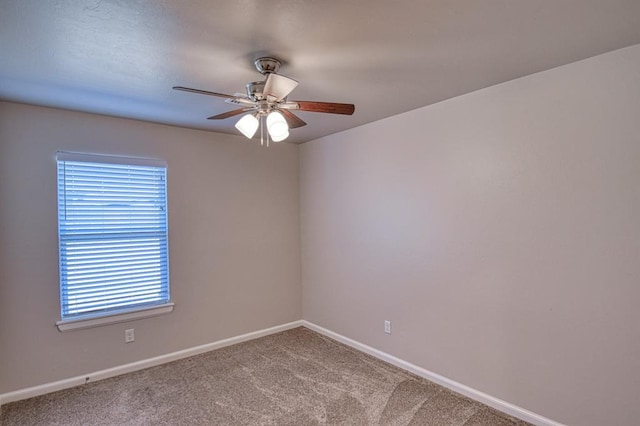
121,58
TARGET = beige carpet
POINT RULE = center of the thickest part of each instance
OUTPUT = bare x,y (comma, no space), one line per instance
296,377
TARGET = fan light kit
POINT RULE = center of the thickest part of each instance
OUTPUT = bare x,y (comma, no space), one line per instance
267,106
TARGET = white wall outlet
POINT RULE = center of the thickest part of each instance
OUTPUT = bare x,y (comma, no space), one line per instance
387,327
129,336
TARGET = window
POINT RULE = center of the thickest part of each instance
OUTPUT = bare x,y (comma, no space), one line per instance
112,233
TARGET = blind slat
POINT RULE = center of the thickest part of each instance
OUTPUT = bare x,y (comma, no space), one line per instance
115,285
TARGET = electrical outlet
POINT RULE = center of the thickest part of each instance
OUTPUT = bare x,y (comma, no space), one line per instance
129,336
387,327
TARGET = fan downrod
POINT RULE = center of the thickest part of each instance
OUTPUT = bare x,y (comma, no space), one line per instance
267,65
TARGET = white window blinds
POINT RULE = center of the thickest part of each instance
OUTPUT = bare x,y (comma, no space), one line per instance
112,228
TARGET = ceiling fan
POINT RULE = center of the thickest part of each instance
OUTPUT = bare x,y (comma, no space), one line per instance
266,104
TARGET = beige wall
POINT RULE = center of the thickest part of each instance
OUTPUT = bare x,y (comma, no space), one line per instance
233,241
499,232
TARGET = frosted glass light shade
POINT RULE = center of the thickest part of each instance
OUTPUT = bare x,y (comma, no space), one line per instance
248,125
277,126
280,137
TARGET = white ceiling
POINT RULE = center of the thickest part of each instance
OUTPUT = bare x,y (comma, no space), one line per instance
122,57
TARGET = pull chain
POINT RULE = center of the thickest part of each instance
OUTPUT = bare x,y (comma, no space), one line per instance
261,130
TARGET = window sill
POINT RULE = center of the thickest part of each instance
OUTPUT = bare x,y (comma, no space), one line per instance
116,317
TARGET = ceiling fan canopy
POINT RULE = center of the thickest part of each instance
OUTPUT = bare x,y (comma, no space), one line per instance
265,104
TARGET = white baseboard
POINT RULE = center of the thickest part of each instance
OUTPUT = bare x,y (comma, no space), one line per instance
477,395
139,365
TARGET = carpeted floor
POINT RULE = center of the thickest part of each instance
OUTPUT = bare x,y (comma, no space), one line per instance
296,377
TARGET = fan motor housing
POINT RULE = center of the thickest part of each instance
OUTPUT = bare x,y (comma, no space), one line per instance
255,90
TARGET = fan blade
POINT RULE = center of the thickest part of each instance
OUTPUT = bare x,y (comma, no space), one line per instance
292,120
241,101
278,86
202,92
330,107
229,114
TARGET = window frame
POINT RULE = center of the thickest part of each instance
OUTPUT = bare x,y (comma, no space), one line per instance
125,313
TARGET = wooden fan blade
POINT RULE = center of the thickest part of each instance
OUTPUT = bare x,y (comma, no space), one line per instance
330,107
202,92
292,120
278,86
228,114
241,101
